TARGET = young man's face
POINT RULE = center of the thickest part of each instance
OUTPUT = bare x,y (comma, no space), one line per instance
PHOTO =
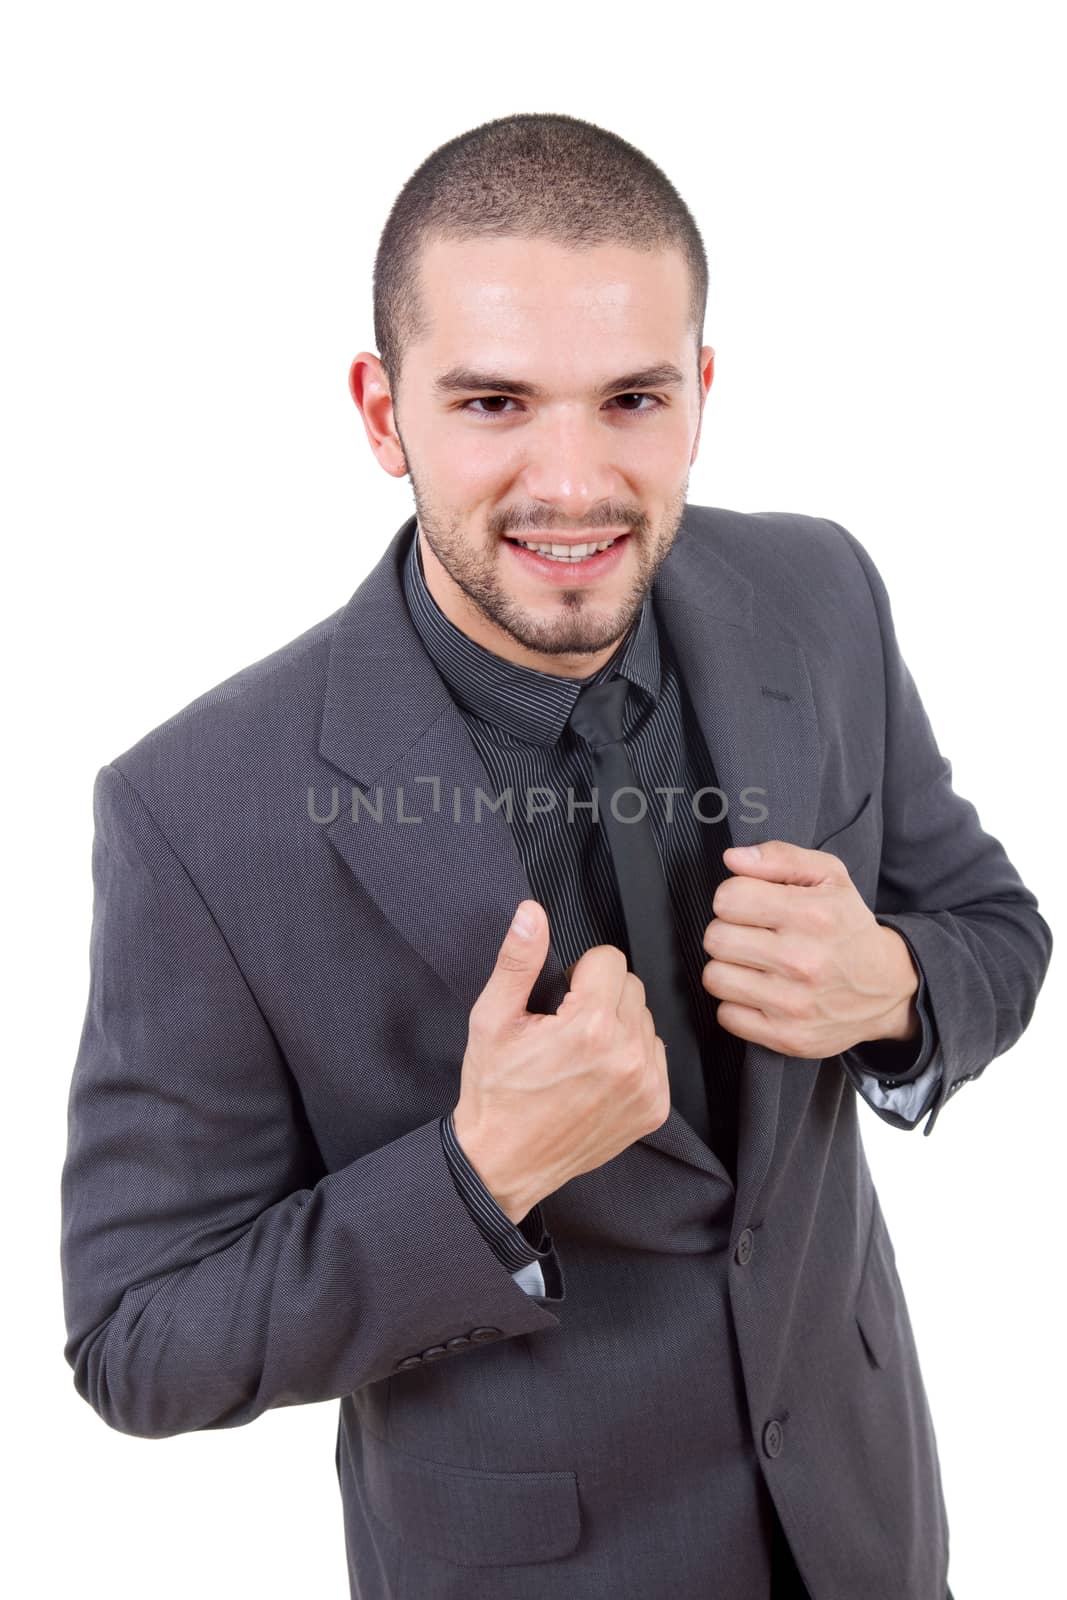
598,451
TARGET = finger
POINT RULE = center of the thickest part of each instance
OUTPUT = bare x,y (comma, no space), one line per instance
779,861
599,975
519,961
741,945
755,904
632,1000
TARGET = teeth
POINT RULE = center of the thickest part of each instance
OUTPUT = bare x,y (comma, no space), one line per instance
566,552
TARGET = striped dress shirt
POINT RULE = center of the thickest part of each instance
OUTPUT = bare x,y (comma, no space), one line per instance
518,720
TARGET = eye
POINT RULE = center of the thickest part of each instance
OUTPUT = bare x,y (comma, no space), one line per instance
484,400
481,400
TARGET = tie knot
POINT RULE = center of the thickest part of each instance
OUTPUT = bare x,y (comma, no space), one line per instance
597,713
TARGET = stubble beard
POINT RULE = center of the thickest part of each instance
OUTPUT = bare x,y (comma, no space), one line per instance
576,626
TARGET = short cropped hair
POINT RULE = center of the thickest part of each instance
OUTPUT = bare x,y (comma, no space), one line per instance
530,175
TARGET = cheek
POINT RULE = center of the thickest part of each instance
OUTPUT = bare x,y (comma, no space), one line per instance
483,469
463,475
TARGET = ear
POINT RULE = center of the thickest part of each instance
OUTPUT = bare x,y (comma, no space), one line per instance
369,388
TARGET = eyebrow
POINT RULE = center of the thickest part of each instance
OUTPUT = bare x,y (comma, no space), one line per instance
460,380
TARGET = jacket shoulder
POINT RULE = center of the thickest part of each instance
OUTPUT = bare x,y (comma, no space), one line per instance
764,544
805,571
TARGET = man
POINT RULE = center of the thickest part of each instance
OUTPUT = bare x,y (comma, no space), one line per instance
570,1212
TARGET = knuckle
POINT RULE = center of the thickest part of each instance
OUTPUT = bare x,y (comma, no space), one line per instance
631,1060
818,969
795,1041
795,1006
660,1098
636,984
798,963
508,961
598,1025
480,1029
479,1023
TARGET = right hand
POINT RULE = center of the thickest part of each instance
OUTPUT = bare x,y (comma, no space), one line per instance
546,1097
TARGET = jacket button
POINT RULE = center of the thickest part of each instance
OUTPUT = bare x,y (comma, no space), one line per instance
480,1335
434,1353
743,1252
773,1438
460,1342
408,1361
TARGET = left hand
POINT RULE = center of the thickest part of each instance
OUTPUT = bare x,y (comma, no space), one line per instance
798,960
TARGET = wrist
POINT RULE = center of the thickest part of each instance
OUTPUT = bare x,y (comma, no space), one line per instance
478,1150
903,1021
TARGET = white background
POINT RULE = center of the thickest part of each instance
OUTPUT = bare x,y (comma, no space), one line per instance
192,197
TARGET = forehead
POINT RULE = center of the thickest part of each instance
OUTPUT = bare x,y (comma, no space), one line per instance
505,287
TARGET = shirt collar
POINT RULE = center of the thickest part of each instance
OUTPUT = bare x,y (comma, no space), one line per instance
533,705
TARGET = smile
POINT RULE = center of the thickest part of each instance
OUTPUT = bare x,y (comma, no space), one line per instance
565,564
566,552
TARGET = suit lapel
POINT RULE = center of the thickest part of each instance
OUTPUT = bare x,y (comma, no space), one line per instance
449,884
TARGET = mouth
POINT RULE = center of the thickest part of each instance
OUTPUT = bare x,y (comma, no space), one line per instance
568,558
568,549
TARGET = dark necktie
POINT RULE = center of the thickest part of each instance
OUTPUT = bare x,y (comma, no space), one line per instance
655,952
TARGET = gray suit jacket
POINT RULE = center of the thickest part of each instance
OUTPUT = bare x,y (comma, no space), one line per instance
256,1206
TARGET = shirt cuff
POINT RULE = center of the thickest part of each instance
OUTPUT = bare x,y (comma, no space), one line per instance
531,1279
514,1244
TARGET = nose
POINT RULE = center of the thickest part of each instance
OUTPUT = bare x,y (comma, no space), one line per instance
571,465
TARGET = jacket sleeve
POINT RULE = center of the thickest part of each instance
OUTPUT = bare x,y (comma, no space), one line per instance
211,1268
949,889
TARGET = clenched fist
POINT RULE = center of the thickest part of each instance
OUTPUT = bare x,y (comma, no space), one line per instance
546,1097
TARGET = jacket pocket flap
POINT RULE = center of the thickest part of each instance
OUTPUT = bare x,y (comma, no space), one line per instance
475,1519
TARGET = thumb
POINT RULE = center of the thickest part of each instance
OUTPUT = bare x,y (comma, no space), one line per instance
521,957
